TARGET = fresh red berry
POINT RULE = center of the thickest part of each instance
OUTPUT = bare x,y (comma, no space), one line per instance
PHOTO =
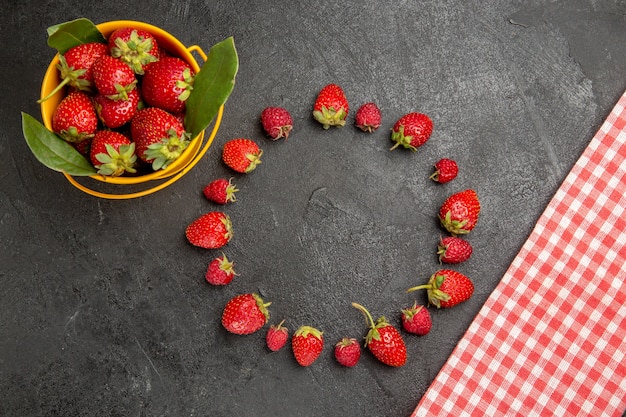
347,352
276,337
112,153
459,213
445,171
277,122
220,271
307,344
368,117
241,155
454,250
411,131
416,320
331,106
135,47
210,231
221,191
159,137
113,78
167,84
447,288
384,340
245,314
116,113
75,117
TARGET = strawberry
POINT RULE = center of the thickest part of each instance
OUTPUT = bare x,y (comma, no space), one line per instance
135,47
276,337
221,191
84,146
276,122
113,78
112,153
454,250
447,288
445,171
167,84
75,117
220,271
411,131
384,340
116,113
159,136
75,67
245,314
459,213
241,155
368,117
307,344
331,106
416,320
347,352
210,231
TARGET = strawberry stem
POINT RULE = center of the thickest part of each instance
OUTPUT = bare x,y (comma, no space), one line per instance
368,316
420,287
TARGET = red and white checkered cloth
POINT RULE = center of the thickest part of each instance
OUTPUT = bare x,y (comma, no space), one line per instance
551,338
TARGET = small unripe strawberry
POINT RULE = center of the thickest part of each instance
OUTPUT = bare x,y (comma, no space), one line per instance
454,250
276,337
277,122
445,171
347,352
416,320
220,191
220,271
368,117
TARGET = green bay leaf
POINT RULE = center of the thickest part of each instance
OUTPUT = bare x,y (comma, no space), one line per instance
212,86
52,151
73,33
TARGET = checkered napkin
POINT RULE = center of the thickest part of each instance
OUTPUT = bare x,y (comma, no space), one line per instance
551,338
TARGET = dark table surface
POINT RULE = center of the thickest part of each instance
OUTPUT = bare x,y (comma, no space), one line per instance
103,305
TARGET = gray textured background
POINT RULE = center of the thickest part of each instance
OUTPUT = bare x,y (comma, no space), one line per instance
103,305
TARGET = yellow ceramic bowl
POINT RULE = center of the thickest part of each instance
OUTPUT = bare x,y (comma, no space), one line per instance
172,45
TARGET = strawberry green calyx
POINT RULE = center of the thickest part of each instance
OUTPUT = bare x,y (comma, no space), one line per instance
400,139
226,265
69,76
304,331
373,333
262,306
169,149
255,159
186,84
456,227
135,52
435,294
328,116
114,163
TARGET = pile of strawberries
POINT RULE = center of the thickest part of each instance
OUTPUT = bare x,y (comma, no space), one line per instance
125,105
248,313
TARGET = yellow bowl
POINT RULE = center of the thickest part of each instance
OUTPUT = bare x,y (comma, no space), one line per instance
186,160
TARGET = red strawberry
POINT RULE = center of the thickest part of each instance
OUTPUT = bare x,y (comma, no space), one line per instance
459,213
242,155
347,352
368,117
331,106
307,344
411,131
447,288
135,47
113,78
116,113
445,171
112,153
454,250
75,117
383,340
221,191
84,146
245,314
75,66
210,231
276,337
416,320
276,122
220,271
167,84
159,136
